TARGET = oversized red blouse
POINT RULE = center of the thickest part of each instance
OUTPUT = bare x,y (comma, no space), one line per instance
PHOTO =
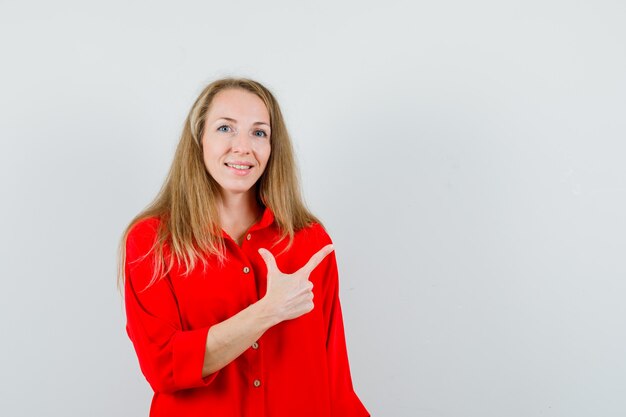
298,368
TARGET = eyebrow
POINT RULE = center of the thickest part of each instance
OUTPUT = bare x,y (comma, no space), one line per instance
233,120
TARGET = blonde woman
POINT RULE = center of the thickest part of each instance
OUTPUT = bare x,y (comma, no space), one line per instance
230,283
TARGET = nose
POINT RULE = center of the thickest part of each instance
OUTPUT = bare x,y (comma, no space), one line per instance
241,143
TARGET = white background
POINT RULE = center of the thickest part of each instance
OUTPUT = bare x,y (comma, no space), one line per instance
468,159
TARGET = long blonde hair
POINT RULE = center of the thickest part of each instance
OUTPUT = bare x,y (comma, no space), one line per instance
187,202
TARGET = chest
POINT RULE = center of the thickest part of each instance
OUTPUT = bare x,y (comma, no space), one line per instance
215,291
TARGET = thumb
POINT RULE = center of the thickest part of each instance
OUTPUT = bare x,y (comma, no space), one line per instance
270,262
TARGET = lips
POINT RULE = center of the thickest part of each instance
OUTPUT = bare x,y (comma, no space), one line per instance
239,164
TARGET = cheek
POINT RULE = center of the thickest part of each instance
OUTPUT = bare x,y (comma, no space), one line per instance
211,152
264,153
206,155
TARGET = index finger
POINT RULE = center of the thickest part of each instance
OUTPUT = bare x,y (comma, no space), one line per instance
317,258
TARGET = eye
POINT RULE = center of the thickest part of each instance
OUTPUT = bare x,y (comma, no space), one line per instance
263,133
219,129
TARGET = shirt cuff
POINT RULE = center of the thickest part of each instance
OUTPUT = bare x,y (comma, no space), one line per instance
188,356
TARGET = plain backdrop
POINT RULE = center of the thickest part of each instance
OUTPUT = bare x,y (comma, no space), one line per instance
467,158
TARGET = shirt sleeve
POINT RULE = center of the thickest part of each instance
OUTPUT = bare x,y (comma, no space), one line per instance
344,401
170,358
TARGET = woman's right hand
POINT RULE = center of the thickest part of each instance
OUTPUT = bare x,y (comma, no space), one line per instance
290,295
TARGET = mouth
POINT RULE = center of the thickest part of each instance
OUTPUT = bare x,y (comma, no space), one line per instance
238,166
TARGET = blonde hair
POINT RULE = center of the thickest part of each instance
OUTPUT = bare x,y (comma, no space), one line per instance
187,202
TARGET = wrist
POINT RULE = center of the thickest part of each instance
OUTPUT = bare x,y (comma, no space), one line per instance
266,315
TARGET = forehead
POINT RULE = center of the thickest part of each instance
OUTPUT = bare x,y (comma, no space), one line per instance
238,104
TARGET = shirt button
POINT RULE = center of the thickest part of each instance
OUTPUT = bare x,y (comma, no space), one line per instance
246,269
257,383
255,345
249,236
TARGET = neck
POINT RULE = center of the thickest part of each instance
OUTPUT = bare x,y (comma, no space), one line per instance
238,209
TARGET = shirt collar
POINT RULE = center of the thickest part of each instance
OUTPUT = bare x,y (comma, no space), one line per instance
266,220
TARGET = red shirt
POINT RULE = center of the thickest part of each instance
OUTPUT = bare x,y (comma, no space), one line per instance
298,368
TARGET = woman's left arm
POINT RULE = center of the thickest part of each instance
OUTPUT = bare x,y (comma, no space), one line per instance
344,401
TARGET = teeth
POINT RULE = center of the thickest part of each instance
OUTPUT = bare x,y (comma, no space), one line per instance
239,166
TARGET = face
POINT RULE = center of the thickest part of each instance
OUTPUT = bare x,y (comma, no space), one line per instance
236,140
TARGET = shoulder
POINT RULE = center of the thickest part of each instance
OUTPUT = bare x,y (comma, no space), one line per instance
291,255
142,235
316,234
140,262
314,238
143,228
309,240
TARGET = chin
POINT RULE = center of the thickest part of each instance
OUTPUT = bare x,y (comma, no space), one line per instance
237,190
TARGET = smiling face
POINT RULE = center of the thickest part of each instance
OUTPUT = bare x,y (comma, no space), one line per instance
236,140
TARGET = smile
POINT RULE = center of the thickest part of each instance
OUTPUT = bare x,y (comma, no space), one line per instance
238,166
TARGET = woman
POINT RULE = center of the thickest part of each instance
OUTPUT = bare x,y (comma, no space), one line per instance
230,283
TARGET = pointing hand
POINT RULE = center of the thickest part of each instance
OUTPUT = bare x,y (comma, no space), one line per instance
291,295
